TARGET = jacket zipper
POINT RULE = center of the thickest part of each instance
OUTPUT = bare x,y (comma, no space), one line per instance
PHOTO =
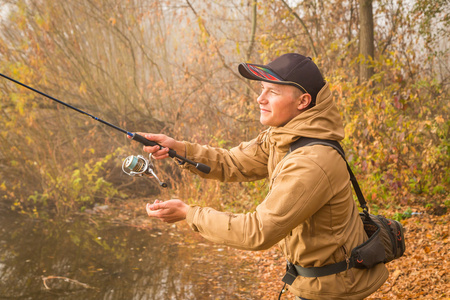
347,260
230,216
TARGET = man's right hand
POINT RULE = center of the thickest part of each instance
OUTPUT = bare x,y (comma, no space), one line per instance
166,142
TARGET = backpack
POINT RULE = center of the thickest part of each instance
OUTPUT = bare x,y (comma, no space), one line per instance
386,240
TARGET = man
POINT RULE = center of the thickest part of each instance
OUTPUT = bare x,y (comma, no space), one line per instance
309,210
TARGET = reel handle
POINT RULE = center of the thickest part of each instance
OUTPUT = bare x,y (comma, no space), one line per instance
172,153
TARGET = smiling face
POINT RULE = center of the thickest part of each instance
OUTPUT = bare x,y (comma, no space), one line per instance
280,103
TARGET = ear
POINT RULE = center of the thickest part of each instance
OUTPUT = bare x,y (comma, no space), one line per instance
304,101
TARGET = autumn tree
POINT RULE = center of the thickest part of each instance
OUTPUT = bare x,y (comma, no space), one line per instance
366,39
171,67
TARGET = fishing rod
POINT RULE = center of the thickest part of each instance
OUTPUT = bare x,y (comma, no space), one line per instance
137,165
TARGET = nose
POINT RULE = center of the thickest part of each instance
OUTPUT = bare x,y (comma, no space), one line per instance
261,98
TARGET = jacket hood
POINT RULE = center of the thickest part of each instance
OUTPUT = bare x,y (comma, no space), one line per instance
322,121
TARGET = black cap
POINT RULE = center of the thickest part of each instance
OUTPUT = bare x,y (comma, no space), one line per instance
290,69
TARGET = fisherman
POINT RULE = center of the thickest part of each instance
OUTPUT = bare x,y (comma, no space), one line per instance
309,209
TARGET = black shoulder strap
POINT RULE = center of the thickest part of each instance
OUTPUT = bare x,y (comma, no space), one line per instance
306,141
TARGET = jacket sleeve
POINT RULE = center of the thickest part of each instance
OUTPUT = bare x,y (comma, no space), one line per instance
246,162
299,189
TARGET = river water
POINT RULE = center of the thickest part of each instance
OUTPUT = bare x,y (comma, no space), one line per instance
93,257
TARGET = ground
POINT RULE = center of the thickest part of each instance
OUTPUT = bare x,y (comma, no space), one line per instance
420,274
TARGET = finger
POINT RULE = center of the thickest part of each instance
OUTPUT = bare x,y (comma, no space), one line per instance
143,133
159,157
153,213
157,206
147,208
151,149
159,138
157,152
161,154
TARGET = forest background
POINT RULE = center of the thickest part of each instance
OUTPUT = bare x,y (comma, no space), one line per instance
171,67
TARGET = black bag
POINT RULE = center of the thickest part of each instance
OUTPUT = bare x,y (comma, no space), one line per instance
386,237
386,241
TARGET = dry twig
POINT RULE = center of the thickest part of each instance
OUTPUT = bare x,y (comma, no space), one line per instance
45,278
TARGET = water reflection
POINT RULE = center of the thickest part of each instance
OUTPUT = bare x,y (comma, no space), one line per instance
91,258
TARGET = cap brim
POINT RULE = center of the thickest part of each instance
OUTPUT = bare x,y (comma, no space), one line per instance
264,73
258,72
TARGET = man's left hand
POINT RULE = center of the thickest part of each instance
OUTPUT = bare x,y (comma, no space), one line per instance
170,211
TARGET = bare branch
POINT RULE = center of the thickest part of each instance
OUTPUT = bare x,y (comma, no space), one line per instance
311,43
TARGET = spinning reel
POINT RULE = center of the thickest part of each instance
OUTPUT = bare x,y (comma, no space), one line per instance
137,165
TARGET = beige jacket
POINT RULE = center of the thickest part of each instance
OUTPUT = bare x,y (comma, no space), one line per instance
309,210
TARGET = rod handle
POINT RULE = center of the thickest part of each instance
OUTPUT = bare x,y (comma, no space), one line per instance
172,153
